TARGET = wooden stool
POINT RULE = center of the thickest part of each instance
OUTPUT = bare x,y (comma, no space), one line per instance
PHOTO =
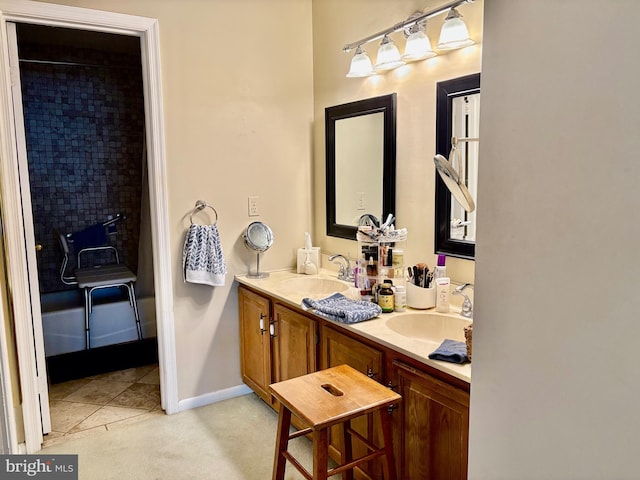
326,398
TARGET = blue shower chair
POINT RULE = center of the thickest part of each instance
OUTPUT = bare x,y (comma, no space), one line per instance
95,277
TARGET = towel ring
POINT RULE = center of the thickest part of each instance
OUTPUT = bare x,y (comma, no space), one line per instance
201,205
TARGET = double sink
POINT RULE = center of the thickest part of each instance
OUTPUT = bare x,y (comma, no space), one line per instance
416,333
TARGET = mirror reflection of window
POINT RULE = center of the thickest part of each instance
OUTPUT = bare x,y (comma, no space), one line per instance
359,151
466,124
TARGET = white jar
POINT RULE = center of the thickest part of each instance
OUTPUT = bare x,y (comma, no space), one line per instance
400,300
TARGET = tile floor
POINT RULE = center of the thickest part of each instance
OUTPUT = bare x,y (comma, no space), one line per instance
102,402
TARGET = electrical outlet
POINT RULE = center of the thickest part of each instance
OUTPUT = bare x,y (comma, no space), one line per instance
253,207
360,201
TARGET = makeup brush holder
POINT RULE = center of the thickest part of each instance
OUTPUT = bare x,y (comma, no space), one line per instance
420,298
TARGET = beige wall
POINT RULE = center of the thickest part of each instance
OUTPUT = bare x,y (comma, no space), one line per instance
555,371
245,85
338,22
238,111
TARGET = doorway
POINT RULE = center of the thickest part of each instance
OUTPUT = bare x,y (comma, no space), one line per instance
83,109
18,238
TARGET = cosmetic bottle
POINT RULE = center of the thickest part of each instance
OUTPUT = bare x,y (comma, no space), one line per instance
400,299
443,285
372,269
386,297
440,270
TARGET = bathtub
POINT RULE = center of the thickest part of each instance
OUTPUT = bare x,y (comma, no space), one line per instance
111,323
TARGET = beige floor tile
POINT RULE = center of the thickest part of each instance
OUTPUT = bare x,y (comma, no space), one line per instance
59,391
130,375
106,415
139,395
66,415
153,377
99,392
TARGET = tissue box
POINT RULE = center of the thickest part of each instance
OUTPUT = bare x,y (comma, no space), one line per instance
314,257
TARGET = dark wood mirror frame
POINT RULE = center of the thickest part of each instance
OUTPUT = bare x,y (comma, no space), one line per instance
445,92
387,105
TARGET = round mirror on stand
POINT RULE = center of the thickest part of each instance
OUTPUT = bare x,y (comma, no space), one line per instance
258,237
452,178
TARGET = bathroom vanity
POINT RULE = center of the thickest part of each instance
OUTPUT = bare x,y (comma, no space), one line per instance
280,340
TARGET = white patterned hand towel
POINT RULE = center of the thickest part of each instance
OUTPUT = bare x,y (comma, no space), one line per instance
202,257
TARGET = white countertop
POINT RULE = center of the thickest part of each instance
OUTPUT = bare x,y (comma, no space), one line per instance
381,329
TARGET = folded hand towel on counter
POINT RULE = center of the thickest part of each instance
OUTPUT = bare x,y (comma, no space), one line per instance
342,309
202,257
450,351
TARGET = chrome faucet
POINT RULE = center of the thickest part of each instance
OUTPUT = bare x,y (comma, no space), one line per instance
345,272
467,307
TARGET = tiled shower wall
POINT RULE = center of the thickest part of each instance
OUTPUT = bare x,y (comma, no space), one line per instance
84,130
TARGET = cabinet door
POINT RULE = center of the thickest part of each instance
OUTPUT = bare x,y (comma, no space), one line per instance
339,349
432,426
255,342
294,344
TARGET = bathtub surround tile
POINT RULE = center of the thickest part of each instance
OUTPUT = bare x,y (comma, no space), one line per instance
98,392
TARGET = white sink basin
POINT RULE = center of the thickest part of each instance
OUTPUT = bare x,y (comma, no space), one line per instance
429,326
313,287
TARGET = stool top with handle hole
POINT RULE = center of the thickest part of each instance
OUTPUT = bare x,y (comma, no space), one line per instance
332,396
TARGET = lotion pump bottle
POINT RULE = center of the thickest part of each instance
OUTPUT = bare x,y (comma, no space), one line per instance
440,270
443,286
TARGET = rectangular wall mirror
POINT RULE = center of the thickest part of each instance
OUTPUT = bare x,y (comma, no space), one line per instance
457,115
360,162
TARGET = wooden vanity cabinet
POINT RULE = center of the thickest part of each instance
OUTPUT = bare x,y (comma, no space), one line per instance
277,343
431,426
255,342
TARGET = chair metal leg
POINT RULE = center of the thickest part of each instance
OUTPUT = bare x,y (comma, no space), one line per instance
134,305
87,315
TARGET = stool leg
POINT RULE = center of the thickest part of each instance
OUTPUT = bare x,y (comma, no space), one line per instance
282,441
320,454
347,451
389,464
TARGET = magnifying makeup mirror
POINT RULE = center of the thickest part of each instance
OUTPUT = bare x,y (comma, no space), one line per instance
258,237
452,178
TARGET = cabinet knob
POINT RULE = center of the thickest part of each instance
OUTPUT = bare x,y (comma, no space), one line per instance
391,386
371,373
391,408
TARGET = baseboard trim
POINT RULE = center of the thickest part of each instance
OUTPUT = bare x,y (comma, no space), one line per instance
213,397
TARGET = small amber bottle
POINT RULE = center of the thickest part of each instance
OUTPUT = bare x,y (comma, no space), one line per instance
385,297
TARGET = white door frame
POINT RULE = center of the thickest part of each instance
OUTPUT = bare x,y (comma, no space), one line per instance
24,11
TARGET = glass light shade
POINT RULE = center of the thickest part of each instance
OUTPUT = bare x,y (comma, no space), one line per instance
360,65
418,47
388,55
454,33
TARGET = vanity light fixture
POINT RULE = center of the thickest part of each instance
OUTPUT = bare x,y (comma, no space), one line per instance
418,46
388,55
361,65
454,33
